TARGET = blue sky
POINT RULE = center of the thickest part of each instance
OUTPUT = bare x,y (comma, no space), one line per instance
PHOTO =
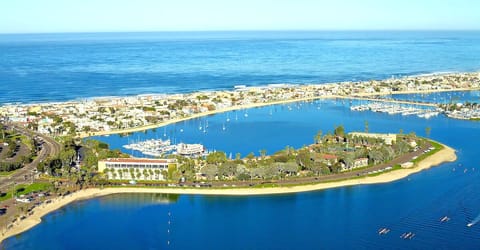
27,16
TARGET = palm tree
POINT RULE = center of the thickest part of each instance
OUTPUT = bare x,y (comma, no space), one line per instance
139,174
318,137
427,131
151,173
105,171
366,126
157,172
132,173
120,173
263,153
145,173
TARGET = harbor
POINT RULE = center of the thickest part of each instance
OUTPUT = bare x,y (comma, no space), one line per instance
159,148
397,109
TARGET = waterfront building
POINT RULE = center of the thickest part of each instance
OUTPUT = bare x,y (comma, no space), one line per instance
135,168
190,149
388,138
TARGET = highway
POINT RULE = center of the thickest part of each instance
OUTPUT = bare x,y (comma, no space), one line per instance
24,175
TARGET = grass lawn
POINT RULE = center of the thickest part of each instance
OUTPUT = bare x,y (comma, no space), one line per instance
26,189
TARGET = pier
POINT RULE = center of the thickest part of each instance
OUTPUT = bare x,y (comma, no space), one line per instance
427,104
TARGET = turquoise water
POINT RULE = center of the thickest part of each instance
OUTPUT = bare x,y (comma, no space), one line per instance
339,218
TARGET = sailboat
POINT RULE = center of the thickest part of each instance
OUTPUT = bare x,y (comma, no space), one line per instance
228,117
223,127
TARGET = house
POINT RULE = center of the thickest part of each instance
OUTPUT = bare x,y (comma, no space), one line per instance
360,163
328,159
357,163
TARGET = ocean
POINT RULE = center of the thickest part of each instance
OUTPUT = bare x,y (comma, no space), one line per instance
339,218
60,67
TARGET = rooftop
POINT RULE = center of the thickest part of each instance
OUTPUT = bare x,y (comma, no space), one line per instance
137,160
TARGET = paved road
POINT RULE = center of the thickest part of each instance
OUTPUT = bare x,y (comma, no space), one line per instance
49,148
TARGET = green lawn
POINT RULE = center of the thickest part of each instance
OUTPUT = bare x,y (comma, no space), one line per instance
26,189
437,147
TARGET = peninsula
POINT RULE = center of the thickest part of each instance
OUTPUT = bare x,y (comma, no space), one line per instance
446,154
113,115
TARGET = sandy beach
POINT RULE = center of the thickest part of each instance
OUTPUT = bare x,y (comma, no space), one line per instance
447,154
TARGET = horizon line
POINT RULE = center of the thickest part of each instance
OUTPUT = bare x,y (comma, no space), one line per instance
242,30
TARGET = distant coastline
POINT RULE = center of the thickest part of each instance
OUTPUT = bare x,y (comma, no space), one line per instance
109,115
446,154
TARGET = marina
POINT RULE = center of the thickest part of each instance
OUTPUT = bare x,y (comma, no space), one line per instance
159,148
394,109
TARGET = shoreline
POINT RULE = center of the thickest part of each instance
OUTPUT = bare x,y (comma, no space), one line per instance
199,115
263,104
446,154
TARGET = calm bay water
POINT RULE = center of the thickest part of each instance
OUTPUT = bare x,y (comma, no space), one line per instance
339,218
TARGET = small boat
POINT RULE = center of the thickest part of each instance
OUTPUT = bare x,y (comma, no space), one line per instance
469,224
383,231
444,219
407,236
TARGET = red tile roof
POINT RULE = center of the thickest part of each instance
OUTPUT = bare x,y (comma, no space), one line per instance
136,160
329,157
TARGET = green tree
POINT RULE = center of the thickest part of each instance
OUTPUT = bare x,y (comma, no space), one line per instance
304,158
132,173
263,153
216,157
157,173
150,173
120,173
339,131
318,137
210,171
250,156
145,173
427,131
366,126
106,171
